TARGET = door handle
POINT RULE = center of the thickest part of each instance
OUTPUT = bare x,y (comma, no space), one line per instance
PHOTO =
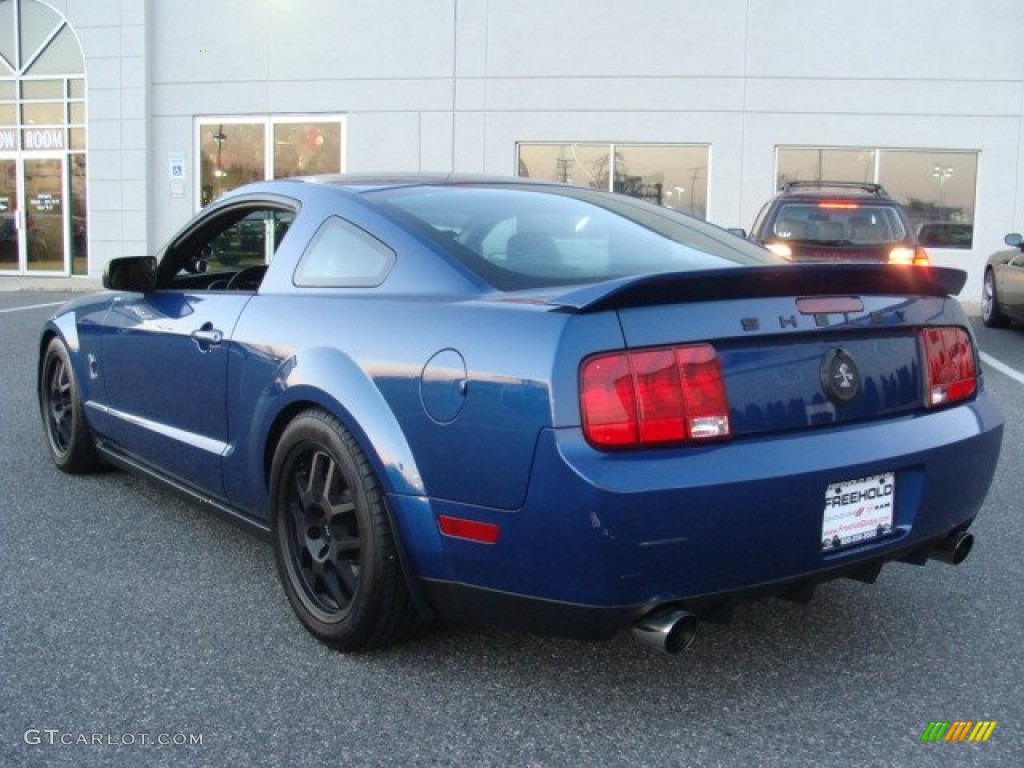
207,334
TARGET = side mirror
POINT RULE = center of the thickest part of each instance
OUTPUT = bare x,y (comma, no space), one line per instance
738,231
136,274
1014,240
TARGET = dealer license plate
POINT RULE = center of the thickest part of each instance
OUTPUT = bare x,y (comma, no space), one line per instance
858,510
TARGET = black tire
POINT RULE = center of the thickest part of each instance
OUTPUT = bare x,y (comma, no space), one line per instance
991,315
68,436
335,550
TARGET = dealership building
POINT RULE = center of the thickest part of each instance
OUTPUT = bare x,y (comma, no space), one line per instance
119,119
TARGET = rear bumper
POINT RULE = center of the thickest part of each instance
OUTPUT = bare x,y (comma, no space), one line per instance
466,602
603,538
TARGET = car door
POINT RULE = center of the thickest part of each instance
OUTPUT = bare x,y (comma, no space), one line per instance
1010,285
165,353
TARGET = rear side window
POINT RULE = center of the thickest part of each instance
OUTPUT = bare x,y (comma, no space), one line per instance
341,255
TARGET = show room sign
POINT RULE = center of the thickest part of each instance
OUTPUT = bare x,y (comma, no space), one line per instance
32,138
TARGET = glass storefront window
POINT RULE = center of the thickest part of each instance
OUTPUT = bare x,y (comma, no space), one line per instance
585,165
938,190
230,155
42,87
79,221
234,152
8,48
301,149
61,55
937,187
672,175
37,22
9,205
44,198
826,165
43,113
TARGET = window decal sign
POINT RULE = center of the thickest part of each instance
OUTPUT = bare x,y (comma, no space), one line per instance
43,138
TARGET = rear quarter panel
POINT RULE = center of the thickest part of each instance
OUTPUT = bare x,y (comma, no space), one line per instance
364,360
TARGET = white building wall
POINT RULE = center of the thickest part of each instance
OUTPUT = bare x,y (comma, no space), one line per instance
455,84
113,35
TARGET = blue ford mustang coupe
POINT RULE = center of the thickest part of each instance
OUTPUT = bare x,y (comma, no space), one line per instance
530,404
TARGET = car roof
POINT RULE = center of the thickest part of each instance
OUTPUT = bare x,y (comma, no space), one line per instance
360,183
389,180
833,190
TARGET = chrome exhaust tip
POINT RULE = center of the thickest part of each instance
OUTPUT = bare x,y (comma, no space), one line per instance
954,549
670,630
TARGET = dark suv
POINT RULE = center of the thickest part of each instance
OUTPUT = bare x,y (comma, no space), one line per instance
837,221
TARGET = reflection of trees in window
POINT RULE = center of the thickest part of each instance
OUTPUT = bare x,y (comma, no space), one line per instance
672,175
230,155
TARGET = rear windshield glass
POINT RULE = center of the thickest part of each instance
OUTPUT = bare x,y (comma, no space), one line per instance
840,223
518,237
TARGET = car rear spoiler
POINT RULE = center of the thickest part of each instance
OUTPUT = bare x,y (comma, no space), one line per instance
756,282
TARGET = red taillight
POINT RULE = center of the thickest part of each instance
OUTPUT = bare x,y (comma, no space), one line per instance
653,397
950,366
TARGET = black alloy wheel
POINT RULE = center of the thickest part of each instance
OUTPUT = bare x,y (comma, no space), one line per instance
68,437
332,537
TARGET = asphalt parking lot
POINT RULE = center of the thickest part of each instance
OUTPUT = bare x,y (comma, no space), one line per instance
138,630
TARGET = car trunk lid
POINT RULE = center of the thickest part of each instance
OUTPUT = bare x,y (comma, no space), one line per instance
799,347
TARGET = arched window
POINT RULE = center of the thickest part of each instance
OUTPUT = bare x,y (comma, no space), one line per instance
42,142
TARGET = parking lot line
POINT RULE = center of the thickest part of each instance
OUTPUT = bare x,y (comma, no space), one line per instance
1003,368
33,306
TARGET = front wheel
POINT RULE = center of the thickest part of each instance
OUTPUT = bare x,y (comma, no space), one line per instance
68,437
991,314
333,543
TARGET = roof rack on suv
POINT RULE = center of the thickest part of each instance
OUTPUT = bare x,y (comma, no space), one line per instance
874,189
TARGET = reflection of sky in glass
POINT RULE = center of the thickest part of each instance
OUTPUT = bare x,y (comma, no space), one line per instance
913,175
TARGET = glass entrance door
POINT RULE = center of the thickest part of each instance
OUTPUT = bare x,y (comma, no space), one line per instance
34,222
10,260
43,202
